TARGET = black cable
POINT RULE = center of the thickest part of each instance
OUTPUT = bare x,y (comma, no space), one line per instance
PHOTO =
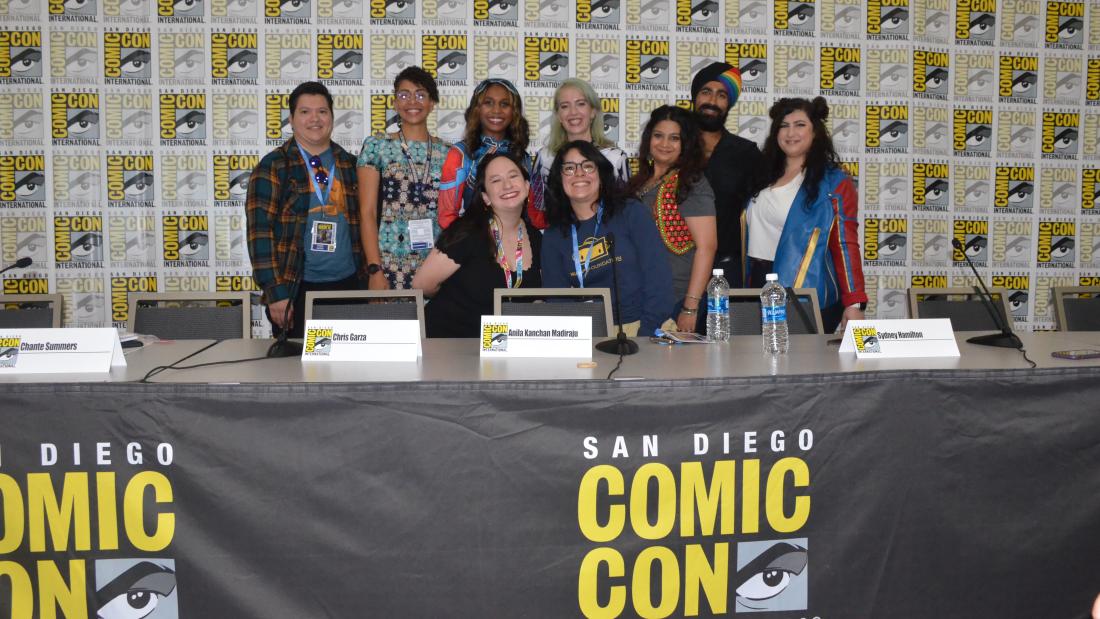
160,368
209,363
617,365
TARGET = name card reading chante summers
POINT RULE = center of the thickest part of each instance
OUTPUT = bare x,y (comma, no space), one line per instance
59,351
899,339
536,336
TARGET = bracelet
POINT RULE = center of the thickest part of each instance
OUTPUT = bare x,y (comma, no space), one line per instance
689,312
688,296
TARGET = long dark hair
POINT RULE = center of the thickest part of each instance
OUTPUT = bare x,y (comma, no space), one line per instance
518,133
475,219
690,164
559,209
819,158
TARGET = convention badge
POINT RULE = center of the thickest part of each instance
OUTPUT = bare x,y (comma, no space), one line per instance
420,234
324,236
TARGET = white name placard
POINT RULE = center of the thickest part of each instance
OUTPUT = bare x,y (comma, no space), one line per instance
536,336
361,340
59,351
898,339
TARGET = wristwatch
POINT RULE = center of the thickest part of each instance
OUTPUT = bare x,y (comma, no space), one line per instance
373,268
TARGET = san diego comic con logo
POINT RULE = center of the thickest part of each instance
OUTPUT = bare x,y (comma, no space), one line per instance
1059,135
74,57
498,57
794,18
794,68
1014,189
229,240
887,185
183,180
691,57
130,180
973,187
9,351
1018,79
494,337
866,339
1021,22
841,18
180,11
392,12
595,14
845,125
20,56
887,129
127,11
1065,25
1012,242
887,20
348,12
1018,292
1092,86
318,342
76,180
234,118
647,64
185,239
888,71
452,12
747,17
445,57
931,129
132,240
975,22
181,58
972,132
751,58
347,118
60,10
287,11
74,118
545,61
383,115
498,13
975,76
22,181
974,236
390,54
122,284
555,13
1058,184
931,186
698,16
24,237
885,241
287,57
127,58
234,11
1056,243
1090,190
22,11
83,299
128,118
931,70
928,280
183,119
1016,134
26,285
840,70
1062,80
277,118
929,239
234,58
78,241
231,174
340,58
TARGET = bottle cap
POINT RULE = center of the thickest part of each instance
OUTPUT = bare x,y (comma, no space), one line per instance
771,277
717,272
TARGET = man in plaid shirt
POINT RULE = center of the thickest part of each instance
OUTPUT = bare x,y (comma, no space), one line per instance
303,214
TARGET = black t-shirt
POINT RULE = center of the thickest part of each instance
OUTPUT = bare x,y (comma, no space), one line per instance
730,171
466,296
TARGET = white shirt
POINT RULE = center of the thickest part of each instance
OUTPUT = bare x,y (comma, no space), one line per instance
767,216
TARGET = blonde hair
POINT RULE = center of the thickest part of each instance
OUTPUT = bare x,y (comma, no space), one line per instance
557,132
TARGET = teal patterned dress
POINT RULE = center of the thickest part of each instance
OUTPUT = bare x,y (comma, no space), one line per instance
402,199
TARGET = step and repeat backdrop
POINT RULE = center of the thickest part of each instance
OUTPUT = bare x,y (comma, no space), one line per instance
128,128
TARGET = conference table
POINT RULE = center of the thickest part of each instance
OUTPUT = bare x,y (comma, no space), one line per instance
701,480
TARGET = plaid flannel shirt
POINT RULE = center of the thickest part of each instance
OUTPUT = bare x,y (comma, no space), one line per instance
277,207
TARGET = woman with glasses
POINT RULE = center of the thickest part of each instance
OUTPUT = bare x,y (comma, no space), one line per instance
578,115
490,246
671,184
494,124
593,222
399,186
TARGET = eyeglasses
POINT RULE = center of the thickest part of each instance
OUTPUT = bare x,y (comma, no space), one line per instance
420,95
585,167
319,173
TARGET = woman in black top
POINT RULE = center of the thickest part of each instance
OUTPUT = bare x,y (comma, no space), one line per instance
490,246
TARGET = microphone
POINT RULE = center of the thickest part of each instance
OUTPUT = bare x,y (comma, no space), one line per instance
282,347
1006,338
620,345
22,263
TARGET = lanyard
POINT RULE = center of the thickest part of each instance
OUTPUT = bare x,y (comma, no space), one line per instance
412,166
577,247
494,226
313,182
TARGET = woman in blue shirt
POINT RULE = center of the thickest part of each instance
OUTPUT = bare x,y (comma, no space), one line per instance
591,220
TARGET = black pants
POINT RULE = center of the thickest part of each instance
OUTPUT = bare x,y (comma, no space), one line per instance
298,321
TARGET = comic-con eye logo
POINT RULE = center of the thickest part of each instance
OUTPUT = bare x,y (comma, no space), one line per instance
840,69
286,57
231,174
545,60
126,11
340,11
121,286
647,64
931,188
9,351
930,245
592,14
866,339
181,57
392,12
234,58
973,187
1062,82
1012,242
498,57
973,234
1014,189
186,240
888,19
127,57
287,11
697,15
747,16
888,71
183,119
78,241
1065,25
841,18
130,180
885,241
70,10
494,337
21,57
233,11
132,240
610,118
1020,23
794,17
23,180
75,178
75,117
235,117
794,68
318,342
554,13
383,115
973,132
752,60
1090,190
180,11
1092,85
1060,133
887,128
1018,79
277,118
1017,287
975,22
183,179
930,74
445,57
1056,244
340,59
136,588
505,13
771,575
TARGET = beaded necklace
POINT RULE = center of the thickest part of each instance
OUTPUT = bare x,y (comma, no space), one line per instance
670,223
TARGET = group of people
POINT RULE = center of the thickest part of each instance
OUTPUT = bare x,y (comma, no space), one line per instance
458,221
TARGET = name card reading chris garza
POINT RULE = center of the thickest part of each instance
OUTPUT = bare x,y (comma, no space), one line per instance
361,340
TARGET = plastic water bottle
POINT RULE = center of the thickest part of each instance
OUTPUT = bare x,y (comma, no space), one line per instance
773,314
718,307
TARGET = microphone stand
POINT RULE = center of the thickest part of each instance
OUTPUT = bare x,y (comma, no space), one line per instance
620,345
1006,338
283,347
